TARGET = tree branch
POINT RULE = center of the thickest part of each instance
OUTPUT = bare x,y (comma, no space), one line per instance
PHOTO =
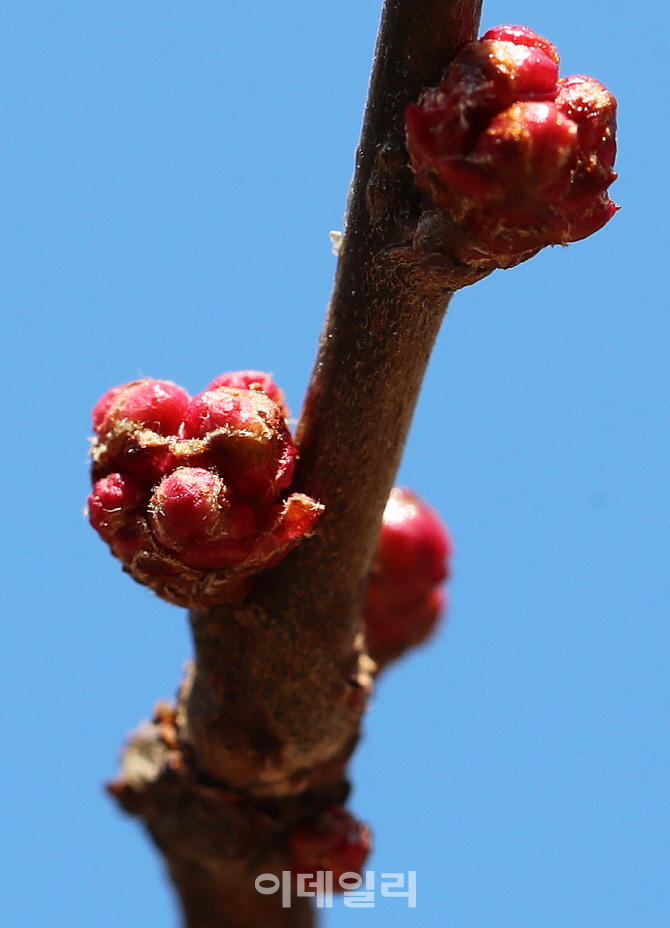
272,711
291,642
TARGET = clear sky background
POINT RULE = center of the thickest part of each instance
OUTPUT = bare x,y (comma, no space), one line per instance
169,175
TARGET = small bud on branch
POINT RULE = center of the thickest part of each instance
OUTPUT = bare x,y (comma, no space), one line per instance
334,841
403,600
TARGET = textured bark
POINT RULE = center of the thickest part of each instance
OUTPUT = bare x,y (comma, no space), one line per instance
271,712
291,644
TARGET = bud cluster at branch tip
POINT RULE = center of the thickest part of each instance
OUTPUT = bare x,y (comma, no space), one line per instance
404,597
192,494
518,157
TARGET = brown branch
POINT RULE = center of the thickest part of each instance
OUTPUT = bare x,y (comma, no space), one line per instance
215,842
273,709
291,643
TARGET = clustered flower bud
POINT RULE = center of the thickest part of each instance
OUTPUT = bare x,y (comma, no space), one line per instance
519,158
404,597
191,494
334,841
253,380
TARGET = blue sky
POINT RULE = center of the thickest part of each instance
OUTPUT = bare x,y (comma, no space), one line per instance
170,173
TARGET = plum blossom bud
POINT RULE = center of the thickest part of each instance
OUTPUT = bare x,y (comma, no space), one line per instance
134,424
155,404
192,494
334,841
253,380
193,513
517,157
244,435
112,500
404,600
116,510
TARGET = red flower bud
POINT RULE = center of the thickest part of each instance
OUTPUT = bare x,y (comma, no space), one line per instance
414,544
532,145
156,404
335,841
253,380
117,511
593,110
519,158
403,600
103,406
522,35
110,503
193,507
244,436
134,424
189,493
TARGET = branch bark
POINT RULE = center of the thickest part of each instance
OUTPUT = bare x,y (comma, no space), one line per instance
291,643
271,712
